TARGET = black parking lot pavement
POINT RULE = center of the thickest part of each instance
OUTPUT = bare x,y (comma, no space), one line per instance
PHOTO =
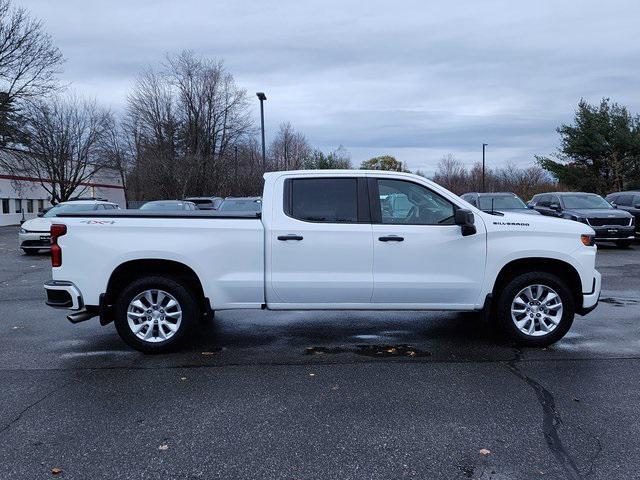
301,395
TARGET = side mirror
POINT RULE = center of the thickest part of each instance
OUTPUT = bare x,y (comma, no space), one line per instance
555,206
466,220
40,214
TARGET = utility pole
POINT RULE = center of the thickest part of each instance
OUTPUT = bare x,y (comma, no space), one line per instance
483,147
262,97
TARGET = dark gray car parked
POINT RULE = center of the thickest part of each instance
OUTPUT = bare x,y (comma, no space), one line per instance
610,224
498,201
629,202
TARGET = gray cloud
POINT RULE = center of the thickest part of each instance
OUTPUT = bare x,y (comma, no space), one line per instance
411,78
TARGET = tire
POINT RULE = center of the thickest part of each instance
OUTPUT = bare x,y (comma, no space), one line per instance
161,320
546,316
30,251
623,243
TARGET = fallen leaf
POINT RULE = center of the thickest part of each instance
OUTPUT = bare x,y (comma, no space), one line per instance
335,387
183,378
391,350
575,399
485,451
56,471
312,374
411,353
163,447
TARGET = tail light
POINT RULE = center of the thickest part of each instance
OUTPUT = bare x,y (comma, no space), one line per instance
57,230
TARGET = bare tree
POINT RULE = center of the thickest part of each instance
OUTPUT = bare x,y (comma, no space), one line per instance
29,65
452,174
64,150
289,150
186,121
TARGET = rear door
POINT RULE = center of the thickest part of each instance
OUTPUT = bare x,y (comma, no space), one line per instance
321,247
420,258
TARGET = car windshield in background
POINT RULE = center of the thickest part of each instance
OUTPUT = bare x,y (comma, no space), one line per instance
163,206
584,202
69,208
237,205
505,202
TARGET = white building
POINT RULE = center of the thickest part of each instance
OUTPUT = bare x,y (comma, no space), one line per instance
24,195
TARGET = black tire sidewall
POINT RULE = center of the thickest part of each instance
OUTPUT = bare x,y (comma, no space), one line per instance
513,287
181,293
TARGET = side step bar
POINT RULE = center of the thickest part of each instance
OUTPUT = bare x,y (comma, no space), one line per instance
82,316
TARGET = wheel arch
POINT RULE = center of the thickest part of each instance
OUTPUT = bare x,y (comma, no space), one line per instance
560,268
131,270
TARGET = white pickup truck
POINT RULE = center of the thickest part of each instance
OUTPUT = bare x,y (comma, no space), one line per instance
334,239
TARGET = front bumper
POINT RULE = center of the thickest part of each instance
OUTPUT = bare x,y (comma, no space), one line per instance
590,300
35,240
614,233
63,295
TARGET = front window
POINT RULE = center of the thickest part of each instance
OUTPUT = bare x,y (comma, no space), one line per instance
409,203
585,202
501,202
69,208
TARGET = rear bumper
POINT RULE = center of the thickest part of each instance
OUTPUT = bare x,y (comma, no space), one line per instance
63,295
590,300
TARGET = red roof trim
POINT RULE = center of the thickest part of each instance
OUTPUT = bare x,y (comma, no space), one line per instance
84,184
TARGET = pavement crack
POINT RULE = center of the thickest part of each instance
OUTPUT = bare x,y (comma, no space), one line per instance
27,408
551,419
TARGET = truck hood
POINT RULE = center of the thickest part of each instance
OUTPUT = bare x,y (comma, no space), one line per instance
39,224
534,223
598,213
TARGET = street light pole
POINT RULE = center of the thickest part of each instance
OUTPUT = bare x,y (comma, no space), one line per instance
262,97
483,147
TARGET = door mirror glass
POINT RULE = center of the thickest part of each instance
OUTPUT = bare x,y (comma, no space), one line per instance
554,206
466,220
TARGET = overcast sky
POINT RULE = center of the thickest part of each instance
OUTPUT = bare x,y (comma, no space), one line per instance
413,79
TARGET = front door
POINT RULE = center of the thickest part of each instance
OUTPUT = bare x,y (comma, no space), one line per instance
321,247
420,257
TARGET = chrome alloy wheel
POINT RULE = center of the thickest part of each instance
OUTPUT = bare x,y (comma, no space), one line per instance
536,310
154,316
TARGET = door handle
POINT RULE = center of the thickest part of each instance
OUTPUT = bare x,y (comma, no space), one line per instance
284,238
391,238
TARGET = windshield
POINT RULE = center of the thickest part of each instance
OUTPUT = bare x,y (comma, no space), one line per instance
163,206
69,208
585,202
238,205
502,202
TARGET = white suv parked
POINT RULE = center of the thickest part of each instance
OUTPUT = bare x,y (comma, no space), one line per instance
35,235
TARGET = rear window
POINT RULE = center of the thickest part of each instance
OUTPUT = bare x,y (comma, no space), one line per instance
328,200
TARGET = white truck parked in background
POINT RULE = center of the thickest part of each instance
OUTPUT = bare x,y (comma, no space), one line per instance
334,239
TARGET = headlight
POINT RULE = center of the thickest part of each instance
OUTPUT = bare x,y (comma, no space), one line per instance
22,230
588,240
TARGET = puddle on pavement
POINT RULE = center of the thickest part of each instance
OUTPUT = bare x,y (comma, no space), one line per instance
620,302
371,350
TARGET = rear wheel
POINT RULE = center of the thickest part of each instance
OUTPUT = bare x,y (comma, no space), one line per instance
623,243
154,314
535,309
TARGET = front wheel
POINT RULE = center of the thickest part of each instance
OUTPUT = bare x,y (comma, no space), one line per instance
535,309
154,314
